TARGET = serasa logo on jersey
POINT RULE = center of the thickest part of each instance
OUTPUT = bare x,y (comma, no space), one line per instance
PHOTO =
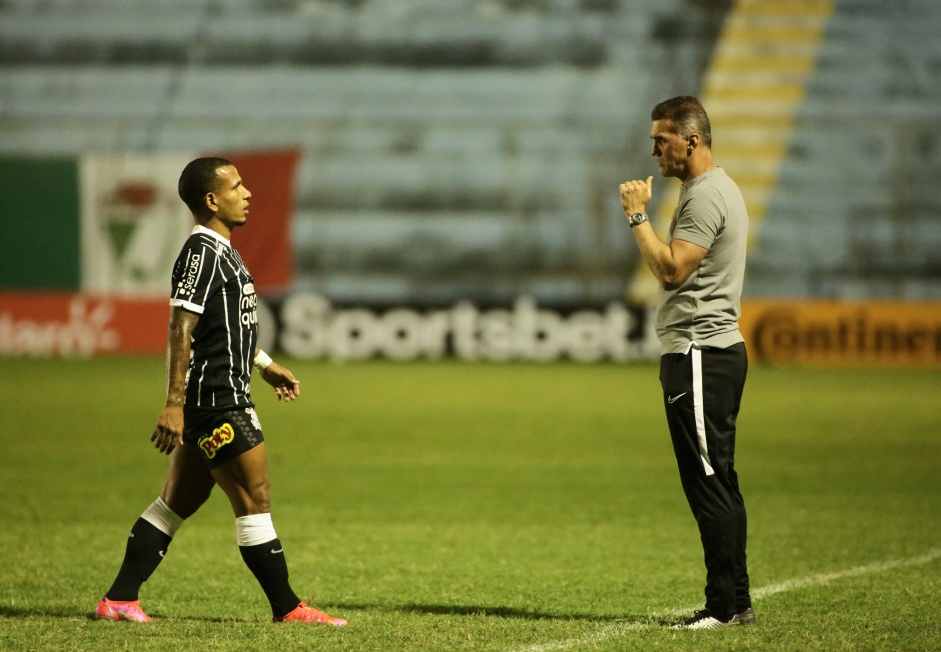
192,272
249,305
221,436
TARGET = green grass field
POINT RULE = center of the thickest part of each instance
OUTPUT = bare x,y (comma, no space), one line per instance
455,506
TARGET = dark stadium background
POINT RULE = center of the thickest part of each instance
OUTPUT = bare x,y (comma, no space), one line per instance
471,151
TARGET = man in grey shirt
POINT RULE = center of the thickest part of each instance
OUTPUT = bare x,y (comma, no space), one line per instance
703,361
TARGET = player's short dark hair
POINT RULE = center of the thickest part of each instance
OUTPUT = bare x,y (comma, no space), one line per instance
199,178
687,115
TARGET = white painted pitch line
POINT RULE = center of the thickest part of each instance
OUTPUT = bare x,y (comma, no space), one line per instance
619,629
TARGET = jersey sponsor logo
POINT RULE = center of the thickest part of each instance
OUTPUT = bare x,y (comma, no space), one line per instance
221,436
249,306
185,287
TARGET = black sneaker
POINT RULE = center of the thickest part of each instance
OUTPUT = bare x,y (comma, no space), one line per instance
745,618
705,619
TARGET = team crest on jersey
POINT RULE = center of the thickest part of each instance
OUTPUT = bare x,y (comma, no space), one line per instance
254,417
221,436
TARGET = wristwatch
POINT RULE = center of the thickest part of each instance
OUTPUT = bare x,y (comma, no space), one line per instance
637,218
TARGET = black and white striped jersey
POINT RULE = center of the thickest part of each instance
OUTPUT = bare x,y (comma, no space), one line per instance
210,279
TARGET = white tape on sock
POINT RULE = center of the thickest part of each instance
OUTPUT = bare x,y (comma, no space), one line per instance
254,529
162,517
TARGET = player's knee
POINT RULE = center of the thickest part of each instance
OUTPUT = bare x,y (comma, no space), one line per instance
185,500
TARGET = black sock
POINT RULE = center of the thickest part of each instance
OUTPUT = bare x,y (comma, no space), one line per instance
145,550
266,562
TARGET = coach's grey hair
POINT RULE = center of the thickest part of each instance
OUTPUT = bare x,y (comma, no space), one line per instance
687,115
198,179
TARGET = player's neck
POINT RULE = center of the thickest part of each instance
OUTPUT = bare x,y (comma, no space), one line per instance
219,227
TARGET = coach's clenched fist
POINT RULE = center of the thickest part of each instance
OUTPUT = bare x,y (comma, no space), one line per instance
635,195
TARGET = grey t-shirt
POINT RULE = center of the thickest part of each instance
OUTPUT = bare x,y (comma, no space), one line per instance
706,307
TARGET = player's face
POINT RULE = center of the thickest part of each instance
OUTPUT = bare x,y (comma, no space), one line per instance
231,197
669,149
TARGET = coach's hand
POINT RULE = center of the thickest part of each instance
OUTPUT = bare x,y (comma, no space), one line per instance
286,386
169,431
635,195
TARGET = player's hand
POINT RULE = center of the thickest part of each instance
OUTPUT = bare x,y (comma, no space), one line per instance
169,431
635,195
286,386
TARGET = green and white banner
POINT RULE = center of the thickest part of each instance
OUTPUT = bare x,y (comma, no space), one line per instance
113,224
132,223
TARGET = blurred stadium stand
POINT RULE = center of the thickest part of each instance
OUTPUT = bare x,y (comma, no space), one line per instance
857,210
472,150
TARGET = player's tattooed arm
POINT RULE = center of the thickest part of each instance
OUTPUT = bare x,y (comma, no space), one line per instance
169,431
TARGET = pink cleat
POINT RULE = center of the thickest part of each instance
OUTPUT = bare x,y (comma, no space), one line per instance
114,610
307,614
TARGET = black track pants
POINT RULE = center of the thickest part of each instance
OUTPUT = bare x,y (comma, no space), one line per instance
702,392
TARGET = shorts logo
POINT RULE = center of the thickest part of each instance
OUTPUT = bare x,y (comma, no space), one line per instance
219,438
254,417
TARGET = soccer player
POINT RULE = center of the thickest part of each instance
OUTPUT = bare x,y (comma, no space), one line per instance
208,427
703,360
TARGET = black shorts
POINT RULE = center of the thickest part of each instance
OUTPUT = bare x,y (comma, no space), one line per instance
222,435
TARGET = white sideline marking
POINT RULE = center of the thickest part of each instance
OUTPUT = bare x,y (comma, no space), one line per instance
619,629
